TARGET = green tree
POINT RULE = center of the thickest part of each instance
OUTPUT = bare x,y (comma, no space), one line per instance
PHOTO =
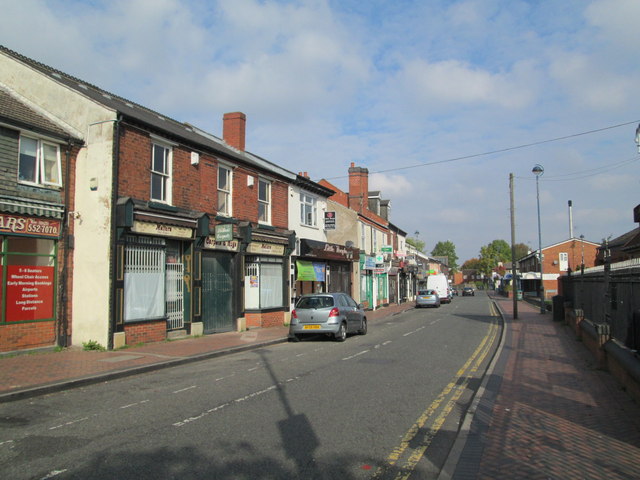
522,250
416,243
471,264
492,254
446,249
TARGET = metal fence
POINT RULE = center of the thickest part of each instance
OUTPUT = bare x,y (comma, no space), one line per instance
608,294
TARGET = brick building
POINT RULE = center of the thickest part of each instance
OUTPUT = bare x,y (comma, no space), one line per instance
175,231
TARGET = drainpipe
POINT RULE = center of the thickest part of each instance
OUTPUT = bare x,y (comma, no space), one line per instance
112,249
62,339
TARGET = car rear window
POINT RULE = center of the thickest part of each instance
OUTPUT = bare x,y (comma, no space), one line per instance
315,302
426,292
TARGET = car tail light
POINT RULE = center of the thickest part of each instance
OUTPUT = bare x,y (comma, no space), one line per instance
334,312
294,314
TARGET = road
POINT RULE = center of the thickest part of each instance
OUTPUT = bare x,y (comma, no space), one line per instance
384,405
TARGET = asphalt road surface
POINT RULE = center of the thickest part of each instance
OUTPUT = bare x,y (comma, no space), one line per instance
384,405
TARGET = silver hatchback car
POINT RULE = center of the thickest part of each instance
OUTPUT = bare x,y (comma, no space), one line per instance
335,314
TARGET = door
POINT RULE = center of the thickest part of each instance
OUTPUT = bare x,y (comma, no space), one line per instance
217,292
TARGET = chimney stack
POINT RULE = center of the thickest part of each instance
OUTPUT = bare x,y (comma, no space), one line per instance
358,188
233,129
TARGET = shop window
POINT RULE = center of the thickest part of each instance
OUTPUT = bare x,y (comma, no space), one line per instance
264,201
264,278
144,279
39,162
29,266
161,173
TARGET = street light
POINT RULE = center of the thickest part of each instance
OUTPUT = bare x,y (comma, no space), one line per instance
538,171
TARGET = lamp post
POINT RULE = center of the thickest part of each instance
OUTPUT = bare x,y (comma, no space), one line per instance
538,171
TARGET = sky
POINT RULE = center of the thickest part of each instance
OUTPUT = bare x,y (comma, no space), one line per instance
440,100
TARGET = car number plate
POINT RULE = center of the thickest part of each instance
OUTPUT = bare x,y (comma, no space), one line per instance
311,327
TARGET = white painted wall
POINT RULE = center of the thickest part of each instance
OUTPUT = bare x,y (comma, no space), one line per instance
77,113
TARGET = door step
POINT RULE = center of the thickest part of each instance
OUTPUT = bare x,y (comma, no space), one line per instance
175,334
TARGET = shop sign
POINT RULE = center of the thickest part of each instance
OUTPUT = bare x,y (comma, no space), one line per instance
224,232
329,220
369,263
29,226
387,249
379,271
29,293
265,248
310,271
212,243
379,259
161,229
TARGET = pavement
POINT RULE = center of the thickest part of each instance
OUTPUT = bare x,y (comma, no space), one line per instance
543,410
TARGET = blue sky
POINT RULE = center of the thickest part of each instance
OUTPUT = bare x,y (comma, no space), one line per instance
388,85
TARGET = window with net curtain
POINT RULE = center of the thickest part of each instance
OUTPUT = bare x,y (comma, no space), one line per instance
266,274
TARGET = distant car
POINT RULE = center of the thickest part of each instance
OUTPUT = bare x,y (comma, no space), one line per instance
427,298
468,292
334,314
455,292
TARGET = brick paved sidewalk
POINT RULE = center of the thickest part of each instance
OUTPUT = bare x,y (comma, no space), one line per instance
546,412
37,373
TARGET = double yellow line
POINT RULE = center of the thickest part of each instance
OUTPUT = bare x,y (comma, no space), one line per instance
410,456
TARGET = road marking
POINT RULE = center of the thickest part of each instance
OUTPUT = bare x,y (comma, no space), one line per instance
134,404
53,473
185,389
452,393
413,331
356,355
69,423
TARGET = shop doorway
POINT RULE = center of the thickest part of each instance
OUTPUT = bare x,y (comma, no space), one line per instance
217,292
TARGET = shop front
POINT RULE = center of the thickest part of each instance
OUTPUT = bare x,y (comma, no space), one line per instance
29,250
266,286
155,272
324,267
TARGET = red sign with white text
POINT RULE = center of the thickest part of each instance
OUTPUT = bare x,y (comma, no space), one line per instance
29,293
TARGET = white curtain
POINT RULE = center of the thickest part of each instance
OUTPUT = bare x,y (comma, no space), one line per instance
270,285
143,296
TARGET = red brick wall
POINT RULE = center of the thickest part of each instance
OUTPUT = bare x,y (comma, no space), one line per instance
27,335
146,332
271,319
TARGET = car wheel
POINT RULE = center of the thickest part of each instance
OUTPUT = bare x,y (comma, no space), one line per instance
363,330
341,334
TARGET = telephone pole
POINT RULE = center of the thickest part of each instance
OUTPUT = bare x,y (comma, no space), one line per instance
514,278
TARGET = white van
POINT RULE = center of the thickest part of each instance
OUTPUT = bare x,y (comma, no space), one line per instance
439,283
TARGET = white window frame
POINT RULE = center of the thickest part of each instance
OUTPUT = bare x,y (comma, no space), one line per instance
563,261
225,192
363,237
264,204
308,210
40,167
165,176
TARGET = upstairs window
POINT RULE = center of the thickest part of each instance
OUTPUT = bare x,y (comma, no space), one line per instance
264,201
224,190
308,215
39,162
161,173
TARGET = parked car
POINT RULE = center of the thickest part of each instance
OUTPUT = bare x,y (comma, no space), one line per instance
427,298
334,314
468,291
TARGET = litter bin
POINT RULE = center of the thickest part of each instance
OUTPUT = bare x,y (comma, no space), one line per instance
558,308
519,297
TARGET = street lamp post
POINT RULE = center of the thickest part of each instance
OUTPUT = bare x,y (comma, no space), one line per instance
538,171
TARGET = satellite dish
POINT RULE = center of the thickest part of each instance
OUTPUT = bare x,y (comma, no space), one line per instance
348,243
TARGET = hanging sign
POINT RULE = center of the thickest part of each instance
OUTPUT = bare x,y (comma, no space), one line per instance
224,232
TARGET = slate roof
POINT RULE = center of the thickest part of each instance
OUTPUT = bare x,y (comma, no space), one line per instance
185,132
19,114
